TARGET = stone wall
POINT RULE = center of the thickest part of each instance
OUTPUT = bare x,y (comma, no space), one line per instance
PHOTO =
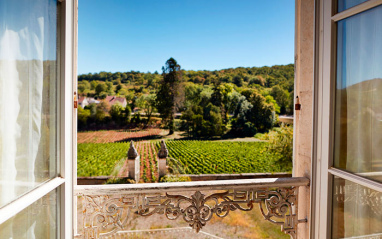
303,118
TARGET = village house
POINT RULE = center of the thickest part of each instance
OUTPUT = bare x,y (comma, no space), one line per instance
111,100
83,101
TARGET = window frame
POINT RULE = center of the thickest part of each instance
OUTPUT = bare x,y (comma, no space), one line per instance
323,126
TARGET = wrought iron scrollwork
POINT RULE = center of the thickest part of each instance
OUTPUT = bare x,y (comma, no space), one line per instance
104,215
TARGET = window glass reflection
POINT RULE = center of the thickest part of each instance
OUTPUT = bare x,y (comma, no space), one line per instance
358,115
357,211
28,95
39,220
346,4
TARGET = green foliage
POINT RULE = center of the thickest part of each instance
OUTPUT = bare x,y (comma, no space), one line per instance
82,115
174,178
116,113
267,90
101,88
270,100
281,142
116,180
282,98
203,122
253,114
147,104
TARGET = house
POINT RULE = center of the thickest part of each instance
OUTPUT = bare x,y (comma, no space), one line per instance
335,191
111,100
91,100
83,101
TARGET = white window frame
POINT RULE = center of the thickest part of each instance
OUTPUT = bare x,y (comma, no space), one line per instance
325,68
67,31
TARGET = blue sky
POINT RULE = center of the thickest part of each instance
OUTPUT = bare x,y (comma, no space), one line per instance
140,35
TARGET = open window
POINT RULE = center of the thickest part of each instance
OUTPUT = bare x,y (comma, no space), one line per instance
106,210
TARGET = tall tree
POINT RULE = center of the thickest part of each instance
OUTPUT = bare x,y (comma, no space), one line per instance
168,92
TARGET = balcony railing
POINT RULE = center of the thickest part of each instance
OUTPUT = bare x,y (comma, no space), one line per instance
104,209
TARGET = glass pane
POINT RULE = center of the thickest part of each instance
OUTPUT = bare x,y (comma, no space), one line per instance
345,4
39,220
358,115
28,95
356,210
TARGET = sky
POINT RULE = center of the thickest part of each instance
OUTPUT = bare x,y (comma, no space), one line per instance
140,35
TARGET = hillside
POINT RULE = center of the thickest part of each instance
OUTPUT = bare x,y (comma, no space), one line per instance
242,100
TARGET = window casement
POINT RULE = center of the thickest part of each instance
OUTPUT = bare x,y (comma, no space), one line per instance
36,118
347,185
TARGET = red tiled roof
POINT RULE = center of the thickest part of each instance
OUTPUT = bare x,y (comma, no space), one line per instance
81,99
113,99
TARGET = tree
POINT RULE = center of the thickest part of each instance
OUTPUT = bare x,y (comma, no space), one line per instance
127,113
147,103
168,91
83,116
282,98
253,114
101,87
238,80
102,109
116,113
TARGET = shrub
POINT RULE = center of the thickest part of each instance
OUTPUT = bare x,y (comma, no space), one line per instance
281,141
174,178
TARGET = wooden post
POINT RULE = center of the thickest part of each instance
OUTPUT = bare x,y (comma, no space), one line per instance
162,159
133,163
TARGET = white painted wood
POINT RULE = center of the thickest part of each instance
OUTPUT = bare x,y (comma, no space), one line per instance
68,115
314,217
357,179
28,199
356,9
188,186
323,97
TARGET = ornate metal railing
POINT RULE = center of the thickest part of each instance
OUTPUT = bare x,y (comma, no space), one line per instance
106,208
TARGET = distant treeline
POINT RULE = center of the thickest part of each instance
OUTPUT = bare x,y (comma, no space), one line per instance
240,100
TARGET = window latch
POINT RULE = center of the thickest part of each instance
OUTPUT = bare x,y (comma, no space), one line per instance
75,100
297,106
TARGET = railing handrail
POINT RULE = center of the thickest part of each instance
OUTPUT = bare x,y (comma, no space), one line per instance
188,186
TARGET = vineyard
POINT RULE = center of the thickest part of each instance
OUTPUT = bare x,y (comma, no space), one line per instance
194,157
208,157
111,136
